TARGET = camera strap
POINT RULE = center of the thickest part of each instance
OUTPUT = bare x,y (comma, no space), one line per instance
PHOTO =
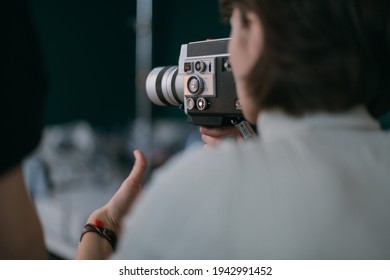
245,130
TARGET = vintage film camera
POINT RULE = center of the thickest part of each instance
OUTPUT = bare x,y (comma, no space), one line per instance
202,84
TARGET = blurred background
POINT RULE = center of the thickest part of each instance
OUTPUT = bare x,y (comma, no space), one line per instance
97,56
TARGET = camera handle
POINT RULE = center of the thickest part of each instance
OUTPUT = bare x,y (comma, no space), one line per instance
245,129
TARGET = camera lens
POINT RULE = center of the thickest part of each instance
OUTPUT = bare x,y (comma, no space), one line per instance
164,86
195,84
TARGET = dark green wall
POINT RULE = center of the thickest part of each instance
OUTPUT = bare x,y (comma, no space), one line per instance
89,47
89,51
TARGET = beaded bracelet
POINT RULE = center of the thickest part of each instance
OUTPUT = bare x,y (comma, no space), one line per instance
106,233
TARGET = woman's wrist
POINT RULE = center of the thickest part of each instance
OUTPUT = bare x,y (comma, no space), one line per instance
100,218
99,236
102,224
103,232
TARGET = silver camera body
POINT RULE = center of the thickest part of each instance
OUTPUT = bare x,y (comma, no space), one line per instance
202,84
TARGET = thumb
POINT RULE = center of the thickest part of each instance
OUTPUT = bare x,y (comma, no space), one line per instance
124,198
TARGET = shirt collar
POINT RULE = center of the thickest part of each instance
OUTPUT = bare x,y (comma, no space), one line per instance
276,123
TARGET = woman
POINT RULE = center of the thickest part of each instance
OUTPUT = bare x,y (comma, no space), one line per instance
315,184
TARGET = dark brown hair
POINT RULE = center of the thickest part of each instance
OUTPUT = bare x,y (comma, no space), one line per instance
320,55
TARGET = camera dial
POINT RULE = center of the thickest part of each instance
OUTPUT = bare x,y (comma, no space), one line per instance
200,66
195,84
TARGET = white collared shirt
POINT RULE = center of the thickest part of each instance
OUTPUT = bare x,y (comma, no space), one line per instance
316,187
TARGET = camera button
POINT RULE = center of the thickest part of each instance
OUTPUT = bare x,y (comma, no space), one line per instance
187,67
190,103
201,103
